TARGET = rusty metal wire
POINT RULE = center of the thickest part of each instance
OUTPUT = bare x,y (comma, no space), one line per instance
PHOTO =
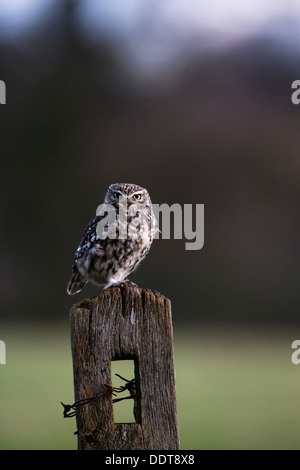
70,410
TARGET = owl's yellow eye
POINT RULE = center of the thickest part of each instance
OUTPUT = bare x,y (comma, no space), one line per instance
117,195
137,197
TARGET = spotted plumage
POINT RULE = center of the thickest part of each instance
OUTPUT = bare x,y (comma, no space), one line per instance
104,256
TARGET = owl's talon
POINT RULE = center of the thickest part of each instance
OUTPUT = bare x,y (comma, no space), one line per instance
133,284
112,284
120,284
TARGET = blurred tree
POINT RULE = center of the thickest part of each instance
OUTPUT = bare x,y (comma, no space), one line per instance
223,133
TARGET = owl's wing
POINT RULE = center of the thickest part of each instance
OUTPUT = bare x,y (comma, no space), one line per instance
88,239
77,282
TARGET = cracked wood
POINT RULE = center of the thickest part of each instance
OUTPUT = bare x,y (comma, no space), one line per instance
125,323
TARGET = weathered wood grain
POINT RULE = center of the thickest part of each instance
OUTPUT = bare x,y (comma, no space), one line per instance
125,323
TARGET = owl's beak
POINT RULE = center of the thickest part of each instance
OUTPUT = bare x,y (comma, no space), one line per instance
126,205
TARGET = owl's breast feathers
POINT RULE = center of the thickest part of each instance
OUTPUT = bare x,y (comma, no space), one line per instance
110,259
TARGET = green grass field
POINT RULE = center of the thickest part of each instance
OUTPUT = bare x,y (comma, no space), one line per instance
235,390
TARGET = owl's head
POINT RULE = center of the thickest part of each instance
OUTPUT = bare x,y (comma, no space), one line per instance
133,193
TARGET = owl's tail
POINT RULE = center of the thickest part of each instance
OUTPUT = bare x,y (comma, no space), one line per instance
76,283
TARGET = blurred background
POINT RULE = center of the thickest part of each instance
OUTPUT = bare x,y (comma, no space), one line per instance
191,100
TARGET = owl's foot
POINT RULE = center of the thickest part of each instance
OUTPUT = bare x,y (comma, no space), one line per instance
112,284
119,284
133,284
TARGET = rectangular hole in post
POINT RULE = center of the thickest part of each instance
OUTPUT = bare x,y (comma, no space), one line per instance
126,410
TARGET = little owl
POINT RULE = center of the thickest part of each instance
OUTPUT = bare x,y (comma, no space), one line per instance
110,251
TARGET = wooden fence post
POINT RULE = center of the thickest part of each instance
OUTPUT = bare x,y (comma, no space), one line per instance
125,323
